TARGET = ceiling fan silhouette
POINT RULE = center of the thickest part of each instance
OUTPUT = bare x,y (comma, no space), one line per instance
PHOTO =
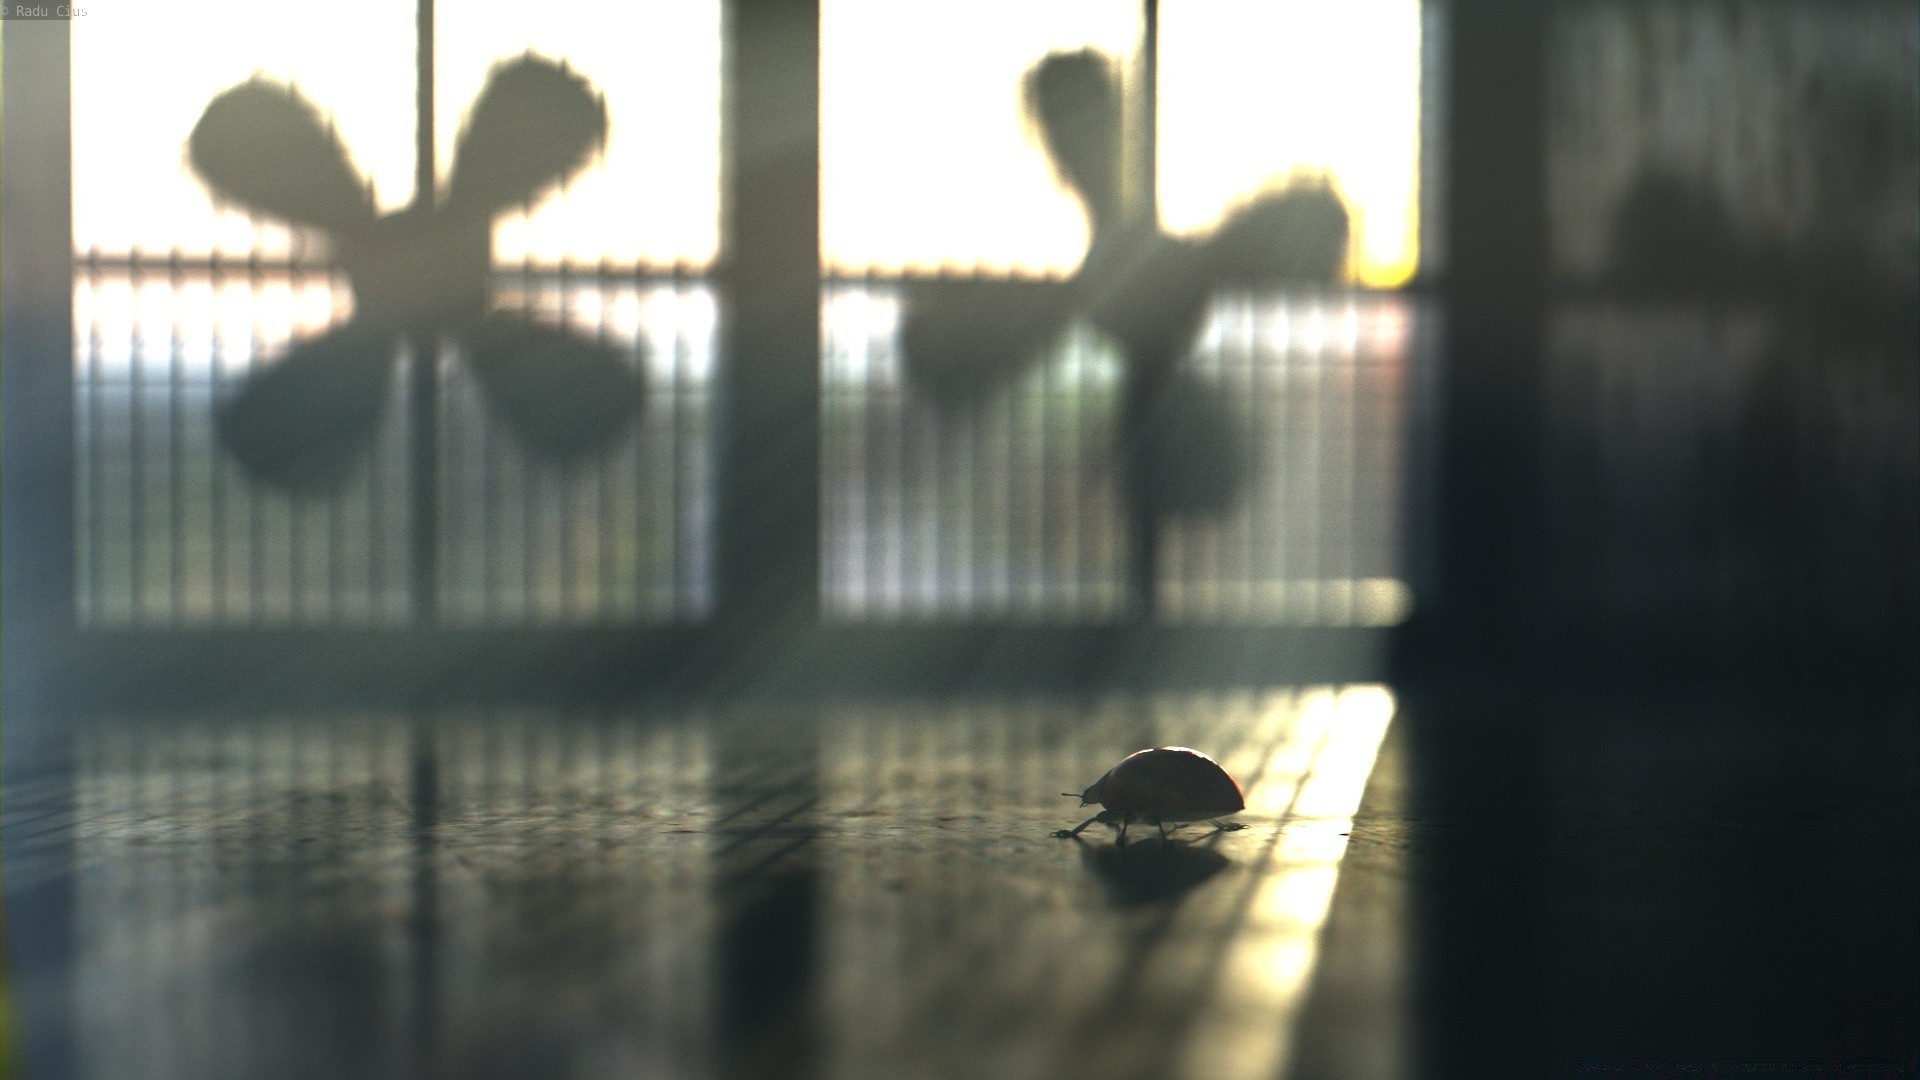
1145,290
303,421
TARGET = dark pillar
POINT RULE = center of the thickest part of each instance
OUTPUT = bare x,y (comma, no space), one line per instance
1148,375
423,358
768,561
1471,711
38,545
37,460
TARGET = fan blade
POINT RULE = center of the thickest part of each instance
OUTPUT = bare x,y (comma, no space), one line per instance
1147,291
265,147
562,395
1074,98
534,124
302,423
1297,234
1196,461
961,340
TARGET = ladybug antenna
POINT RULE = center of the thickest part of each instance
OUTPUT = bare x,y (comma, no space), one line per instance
1071,794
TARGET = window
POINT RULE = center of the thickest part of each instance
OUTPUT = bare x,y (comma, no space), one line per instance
179,300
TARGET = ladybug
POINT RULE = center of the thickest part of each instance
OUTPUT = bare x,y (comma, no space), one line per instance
1162,786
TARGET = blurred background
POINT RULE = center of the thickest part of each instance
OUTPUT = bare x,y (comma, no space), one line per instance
591,545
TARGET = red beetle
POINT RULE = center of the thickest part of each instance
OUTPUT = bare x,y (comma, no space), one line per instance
1167,785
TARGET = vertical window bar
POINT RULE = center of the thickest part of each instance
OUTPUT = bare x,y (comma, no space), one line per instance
1146,383
423,358
769,512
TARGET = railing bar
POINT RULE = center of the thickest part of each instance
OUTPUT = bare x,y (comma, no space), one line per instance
931,571
1036,479
603,527
95,456
489,498
1246,343
673,502
1350,450
255,345
1010,504
564,493
136,467
176,389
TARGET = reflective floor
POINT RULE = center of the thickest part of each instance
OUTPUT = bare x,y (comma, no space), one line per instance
859,890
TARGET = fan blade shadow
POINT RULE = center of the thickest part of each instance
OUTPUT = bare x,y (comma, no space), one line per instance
963,339
1074,99
1147,291
1296,235
534,124
265,147
302,423
562,395
1201,462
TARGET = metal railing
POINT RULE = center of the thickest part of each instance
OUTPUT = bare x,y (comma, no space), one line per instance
1007,511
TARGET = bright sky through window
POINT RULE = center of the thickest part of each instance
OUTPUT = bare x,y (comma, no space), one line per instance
654,196
928,161
1252,91
142,75
927,158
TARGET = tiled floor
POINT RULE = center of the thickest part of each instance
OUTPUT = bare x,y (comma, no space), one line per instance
867,890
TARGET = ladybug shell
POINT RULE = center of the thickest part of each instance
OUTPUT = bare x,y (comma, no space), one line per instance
1171,783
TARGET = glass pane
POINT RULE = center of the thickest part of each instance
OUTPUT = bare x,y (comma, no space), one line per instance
197,318
653,195
1734,223
1253,92
927,160
993,487
143,74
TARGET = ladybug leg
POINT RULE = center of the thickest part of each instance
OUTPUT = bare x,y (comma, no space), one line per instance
1162,826
1227,826
1069,834
1124,822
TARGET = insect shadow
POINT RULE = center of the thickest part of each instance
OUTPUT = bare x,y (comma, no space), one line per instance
1153,870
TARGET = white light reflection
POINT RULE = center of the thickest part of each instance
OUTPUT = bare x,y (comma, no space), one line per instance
962,941
1246,1030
